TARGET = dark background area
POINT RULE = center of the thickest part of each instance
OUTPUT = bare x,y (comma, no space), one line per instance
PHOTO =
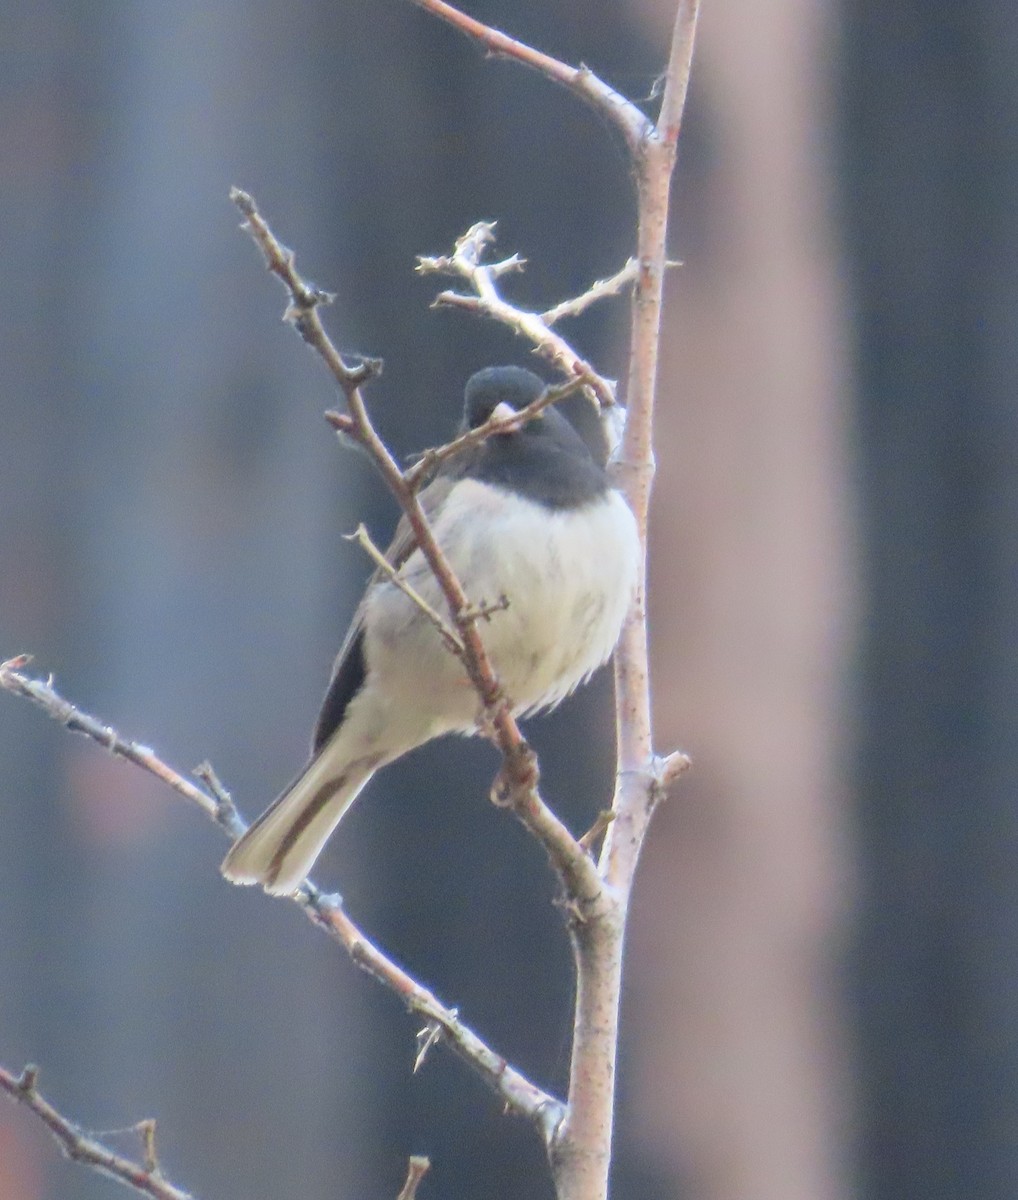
931,219
821,999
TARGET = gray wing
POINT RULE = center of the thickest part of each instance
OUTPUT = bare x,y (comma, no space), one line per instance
350,668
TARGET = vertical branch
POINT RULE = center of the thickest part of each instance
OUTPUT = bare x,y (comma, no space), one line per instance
637,779
581,1150
584,1148
680,61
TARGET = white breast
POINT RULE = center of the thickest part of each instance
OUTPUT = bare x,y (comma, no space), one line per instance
568,577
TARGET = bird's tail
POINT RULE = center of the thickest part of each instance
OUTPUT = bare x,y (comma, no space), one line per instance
281,846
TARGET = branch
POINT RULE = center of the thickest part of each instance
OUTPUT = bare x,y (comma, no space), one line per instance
581,1158
637,784
324,911
598,290
145,1177
581,81
680,62
466,262
445,631
518,1093
41,692
429,460
519,775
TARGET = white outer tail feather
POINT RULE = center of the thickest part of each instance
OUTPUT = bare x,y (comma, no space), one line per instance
262,856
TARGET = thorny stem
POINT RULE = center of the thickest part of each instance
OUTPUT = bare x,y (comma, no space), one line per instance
145,1177
429,460
516,1091
581,81
466,261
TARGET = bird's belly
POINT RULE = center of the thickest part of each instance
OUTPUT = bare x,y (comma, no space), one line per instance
566,579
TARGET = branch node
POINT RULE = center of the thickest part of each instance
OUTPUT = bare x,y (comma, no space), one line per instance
486,300
147,1133
365,371
343,423
668,768
603,820
518,776
28,1079
472,244
483,611
321,904
549,1119
226,811
515,262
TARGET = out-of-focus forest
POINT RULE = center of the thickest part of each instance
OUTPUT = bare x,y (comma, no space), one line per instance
822,998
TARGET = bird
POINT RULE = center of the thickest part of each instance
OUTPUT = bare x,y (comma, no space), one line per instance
534,529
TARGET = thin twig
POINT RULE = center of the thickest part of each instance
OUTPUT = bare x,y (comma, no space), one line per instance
145,1177
428,460
518,1093
41,692
601,822
580,80
305,299
449,635
600,289
680,62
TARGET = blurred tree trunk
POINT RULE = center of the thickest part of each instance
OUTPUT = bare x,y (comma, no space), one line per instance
930,176
735,1028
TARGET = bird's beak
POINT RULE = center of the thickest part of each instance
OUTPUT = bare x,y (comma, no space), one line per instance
504,411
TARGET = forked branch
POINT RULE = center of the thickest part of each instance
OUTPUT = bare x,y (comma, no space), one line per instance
467,261
145,1176
581,81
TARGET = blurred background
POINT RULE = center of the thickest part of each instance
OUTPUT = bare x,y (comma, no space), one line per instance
822,998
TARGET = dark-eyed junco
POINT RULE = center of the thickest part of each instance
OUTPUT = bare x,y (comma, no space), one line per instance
527,515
